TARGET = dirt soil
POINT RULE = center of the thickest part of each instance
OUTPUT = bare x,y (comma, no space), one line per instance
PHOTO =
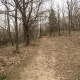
58,58
53,58
42,67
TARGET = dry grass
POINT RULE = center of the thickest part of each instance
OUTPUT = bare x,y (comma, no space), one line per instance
11,63
65,49
67,57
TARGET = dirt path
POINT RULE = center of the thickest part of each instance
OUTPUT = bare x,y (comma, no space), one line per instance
42,67
50,58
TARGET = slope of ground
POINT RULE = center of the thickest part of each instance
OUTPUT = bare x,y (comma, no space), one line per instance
68,57
58,58
42,67
11,63
54,58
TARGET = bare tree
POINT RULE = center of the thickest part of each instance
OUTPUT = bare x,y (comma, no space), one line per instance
29,12
28,15
8,20
16,27
63,19
69,16
52,22
71,4
59,20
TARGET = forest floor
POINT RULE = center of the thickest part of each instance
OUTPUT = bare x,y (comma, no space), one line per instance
50,58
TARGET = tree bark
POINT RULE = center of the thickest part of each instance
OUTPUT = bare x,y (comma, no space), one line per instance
27,36
69,24
26,33
59,20
10,37
16,30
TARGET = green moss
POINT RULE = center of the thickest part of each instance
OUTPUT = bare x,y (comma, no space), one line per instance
3,77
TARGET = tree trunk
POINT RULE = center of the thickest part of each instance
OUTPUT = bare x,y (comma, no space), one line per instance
16,30
69,23
59,31
59,20
10,37
59,26
5,28
40,32
50,33
54,30
63,29
27,35
28,40
24,33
